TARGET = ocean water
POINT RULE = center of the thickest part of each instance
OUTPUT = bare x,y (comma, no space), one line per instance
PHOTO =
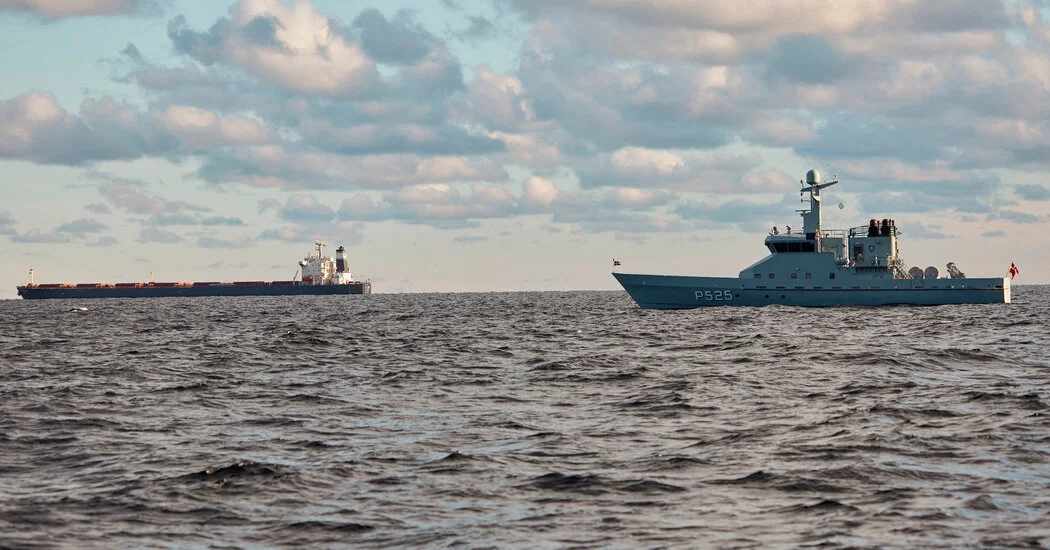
530,420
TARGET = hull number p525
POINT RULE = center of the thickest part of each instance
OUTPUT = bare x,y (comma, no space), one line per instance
714,295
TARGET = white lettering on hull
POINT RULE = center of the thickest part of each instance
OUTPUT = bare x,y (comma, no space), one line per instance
714,295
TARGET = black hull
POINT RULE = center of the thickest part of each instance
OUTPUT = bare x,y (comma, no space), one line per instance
36,293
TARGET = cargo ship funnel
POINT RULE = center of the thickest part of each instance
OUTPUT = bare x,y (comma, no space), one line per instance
341,263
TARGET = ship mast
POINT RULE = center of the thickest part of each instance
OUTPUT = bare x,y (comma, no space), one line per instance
319,243
811,218
31,272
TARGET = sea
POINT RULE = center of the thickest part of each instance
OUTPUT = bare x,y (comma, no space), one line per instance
522,420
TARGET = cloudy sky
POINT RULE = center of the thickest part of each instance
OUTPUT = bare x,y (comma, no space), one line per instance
473,145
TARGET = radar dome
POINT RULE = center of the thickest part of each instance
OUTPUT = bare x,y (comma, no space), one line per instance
813,177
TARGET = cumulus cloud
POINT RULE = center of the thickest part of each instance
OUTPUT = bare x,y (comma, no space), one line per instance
341,233
7,224
400,41
206,241
920,105
295,47
270,166
81,227
104,242
627,198
98,208
305,208
538,193
646,168
662,163
40,130
441,203
221,220
64,233
470,239
57,9
501,101
919,231
133,199
34,236
732,213
478,29
199,129
158,235
368,139
808,59
1032,192
1015,216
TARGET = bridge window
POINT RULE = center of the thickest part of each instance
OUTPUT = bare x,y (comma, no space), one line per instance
771,275
809,275
831,275
794,275
793,246
758,275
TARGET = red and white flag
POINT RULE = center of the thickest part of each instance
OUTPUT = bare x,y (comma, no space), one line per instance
616,262
1013,270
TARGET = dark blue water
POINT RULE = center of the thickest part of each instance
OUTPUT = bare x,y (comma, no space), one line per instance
522,420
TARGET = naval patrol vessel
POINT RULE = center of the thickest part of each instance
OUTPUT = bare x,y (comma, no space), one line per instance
821,267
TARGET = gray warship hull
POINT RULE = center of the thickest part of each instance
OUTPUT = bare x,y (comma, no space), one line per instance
685,292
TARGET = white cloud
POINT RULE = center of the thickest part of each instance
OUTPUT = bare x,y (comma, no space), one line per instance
538,193
201,130
500,101
273,166
305,208
295,47
157,235
37,128
782,132
635,160
631,198
73,8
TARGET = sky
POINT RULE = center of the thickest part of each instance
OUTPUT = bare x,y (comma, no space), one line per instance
500,145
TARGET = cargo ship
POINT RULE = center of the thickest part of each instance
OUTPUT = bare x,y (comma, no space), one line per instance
320,276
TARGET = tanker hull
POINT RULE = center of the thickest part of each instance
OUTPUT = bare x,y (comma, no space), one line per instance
37,293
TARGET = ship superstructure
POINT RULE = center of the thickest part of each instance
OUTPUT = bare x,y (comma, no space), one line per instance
820,267
320,276
319,270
